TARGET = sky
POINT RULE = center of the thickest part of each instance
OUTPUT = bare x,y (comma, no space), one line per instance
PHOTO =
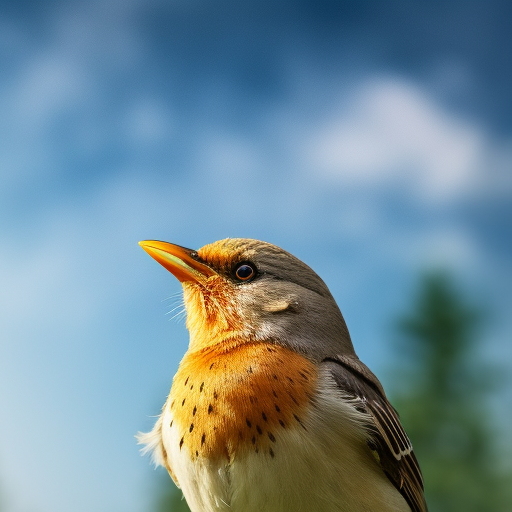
373,140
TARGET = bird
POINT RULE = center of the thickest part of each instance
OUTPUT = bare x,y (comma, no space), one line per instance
271,410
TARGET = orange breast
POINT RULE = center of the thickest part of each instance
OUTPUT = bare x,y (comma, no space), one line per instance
223,402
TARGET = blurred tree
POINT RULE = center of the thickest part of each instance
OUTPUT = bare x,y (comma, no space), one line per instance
443,402
170,498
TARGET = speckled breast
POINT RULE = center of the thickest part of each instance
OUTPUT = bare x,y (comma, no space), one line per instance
223,401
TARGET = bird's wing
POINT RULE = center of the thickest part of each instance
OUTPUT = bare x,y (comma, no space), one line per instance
389,442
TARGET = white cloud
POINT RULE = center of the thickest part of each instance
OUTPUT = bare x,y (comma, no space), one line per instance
395,134
61,73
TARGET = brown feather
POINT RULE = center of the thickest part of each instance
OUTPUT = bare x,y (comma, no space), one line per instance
388,438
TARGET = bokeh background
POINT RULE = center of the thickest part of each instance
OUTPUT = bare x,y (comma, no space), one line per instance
373,140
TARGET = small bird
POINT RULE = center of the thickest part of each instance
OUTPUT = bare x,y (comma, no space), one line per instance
270,409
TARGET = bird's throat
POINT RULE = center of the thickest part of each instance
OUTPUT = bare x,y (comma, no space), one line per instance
213,316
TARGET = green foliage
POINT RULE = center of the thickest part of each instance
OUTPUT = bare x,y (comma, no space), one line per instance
443,402
170,498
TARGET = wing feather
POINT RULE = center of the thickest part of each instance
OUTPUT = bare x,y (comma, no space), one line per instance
389,441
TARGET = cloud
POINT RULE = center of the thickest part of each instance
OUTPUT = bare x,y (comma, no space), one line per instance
395,134
58,93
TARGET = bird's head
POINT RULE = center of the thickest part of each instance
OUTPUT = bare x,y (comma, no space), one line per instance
238,290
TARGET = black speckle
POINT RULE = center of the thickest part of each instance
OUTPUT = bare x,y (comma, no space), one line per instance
211,366
192,427
280,360
290,379
172,421
181,443
203,439
275,376
293,399
277,408
172,404
281,422
303,376
210,409
215,395
271,437
249,370
183,403
253,440
197,453
271,452
300,422
191,387
186,380
249,424
264,416
256,450
259,429
194,411
274,393
201,387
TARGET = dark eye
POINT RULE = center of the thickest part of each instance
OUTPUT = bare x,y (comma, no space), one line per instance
245,271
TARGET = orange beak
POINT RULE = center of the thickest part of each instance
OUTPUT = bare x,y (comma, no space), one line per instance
181,262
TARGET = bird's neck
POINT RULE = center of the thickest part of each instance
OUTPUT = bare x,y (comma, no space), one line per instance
220,342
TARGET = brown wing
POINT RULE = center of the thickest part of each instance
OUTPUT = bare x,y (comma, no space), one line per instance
389,444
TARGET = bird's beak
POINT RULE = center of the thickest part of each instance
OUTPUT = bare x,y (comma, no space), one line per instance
178,260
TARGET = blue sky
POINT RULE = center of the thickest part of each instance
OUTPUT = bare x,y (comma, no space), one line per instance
371,140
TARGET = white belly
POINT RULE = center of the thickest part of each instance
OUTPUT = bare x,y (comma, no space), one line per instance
322,466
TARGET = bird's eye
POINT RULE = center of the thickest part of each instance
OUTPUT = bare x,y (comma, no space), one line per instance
245,271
